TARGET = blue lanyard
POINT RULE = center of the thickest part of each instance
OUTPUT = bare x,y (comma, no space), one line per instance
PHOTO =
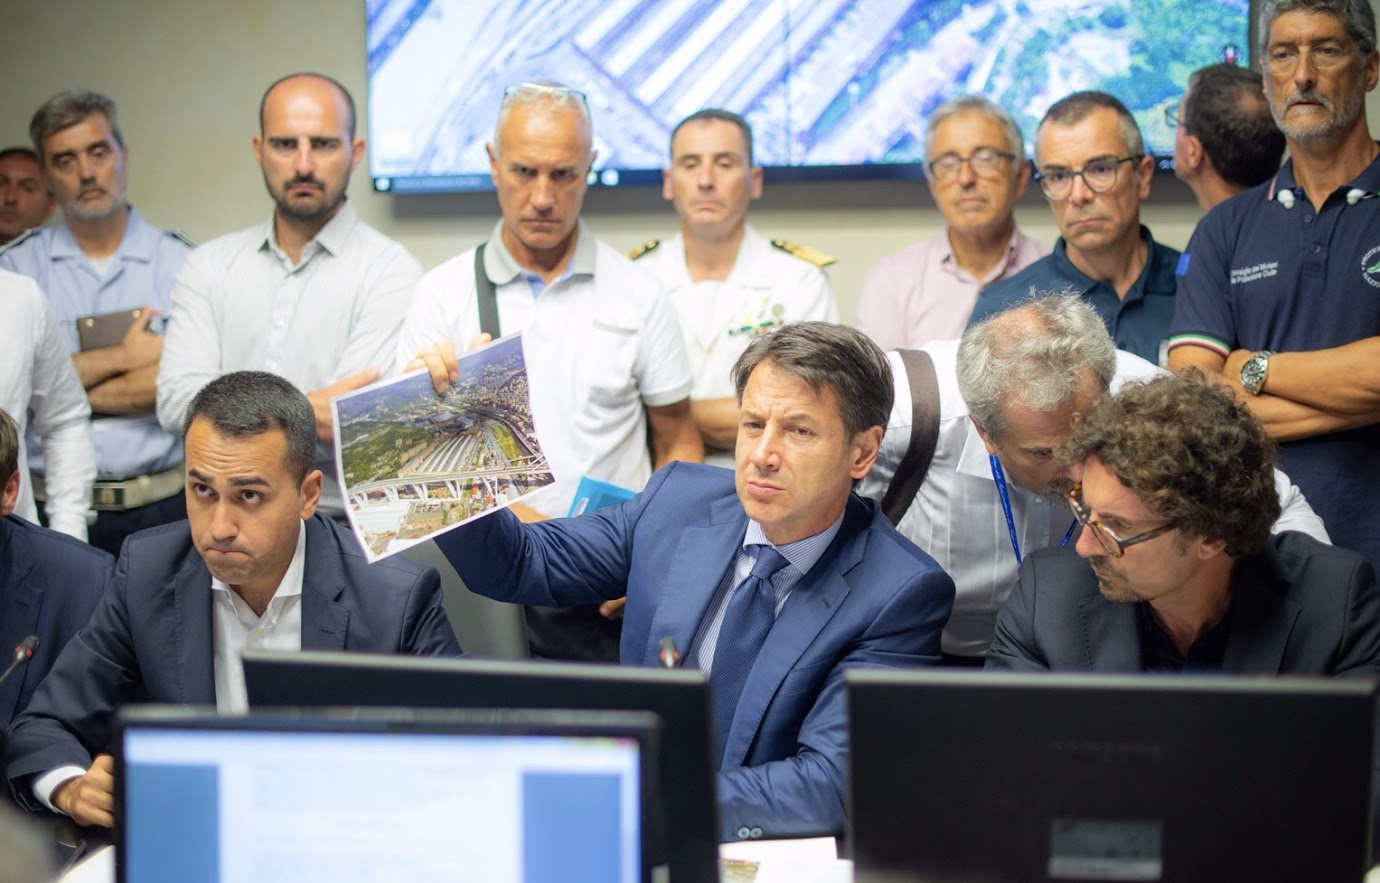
999,476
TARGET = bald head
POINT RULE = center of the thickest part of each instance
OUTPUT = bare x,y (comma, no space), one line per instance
319,87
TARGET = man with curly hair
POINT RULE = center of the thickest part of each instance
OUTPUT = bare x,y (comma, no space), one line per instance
1175,569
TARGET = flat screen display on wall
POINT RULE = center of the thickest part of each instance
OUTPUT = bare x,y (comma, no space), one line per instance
833,88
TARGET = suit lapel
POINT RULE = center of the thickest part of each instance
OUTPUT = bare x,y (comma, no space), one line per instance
188,593
812,603
325,621
19,617
1262,618
1111,640
703,553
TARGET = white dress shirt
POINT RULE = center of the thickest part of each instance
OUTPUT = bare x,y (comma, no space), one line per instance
957,515
600,343
767,288
37,378
241,304
235,628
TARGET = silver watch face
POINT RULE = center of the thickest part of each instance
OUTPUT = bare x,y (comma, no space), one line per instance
1253,372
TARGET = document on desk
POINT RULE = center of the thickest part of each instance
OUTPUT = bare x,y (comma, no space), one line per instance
413,464
807,860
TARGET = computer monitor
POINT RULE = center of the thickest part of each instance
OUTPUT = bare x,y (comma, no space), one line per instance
500,797
984,777
684,818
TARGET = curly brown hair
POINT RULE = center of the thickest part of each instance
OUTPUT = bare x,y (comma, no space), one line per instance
1191,452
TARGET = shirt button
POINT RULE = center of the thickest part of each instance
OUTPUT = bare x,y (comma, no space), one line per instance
1308,218
1316,248
756,833
744,833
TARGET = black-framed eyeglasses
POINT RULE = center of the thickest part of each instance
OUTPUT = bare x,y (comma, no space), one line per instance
985,162
1099,176
1115,545
1171,116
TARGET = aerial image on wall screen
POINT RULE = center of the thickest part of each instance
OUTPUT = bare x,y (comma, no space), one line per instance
832,87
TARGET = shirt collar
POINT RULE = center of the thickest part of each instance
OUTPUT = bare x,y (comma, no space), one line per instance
1369,179
501,267
1076,278
331,238
802,554
137,244
291,583
950,264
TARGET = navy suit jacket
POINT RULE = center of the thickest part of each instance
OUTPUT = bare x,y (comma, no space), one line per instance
872,599
150,638
49,584
1298,607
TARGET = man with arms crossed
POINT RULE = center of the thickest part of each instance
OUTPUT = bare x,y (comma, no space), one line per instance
313,294
774,578
1279,291
976,170
727,283
104,258
255,566
1008,396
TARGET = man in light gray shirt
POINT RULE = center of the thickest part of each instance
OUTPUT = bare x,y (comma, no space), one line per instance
314,294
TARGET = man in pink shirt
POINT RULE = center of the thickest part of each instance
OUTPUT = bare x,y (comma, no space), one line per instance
976,170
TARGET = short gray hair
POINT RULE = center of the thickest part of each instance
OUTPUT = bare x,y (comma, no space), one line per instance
557,95
977,104
68,108
1356,15
1034,354
827,356
1073,109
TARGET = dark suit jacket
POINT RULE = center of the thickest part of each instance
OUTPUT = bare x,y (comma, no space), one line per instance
149,639
49,584
1299,607
872,599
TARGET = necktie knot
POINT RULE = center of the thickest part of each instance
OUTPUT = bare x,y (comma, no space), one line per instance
768,562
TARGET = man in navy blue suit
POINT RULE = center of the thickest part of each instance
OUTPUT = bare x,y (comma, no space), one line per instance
254,566
1175,569
49,583
774,577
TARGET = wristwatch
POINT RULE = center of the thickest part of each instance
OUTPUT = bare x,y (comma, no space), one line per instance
1253,372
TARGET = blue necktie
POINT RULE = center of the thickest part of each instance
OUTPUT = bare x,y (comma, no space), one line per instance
750,614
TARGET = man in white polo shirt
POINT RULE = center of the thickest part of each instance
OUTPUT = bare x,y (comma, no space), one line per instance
606,364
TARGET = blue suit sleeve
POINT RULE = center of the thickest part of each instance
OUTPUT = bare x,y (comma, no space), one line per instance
68,721
426,628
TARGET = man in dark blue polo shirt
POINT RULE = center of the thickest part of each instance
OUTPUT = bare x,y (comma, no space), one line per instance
1092,167
1280,286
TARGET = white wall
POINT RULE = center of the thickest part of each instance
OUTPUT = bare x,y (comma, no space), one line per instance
188,74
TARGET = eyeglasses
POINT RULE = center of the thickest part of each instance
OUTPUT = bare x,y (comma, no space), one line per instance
1171,116
556,90
1284,60
1099,175
985,162
1115,545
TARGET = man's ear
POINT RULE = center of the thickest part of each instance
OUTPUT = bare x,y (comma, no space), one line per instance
9,497
985,436
866,445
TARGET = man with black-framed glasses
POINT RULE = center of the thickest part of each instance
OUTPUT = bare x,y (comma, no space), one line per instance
976,170
1174,568
1091,165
